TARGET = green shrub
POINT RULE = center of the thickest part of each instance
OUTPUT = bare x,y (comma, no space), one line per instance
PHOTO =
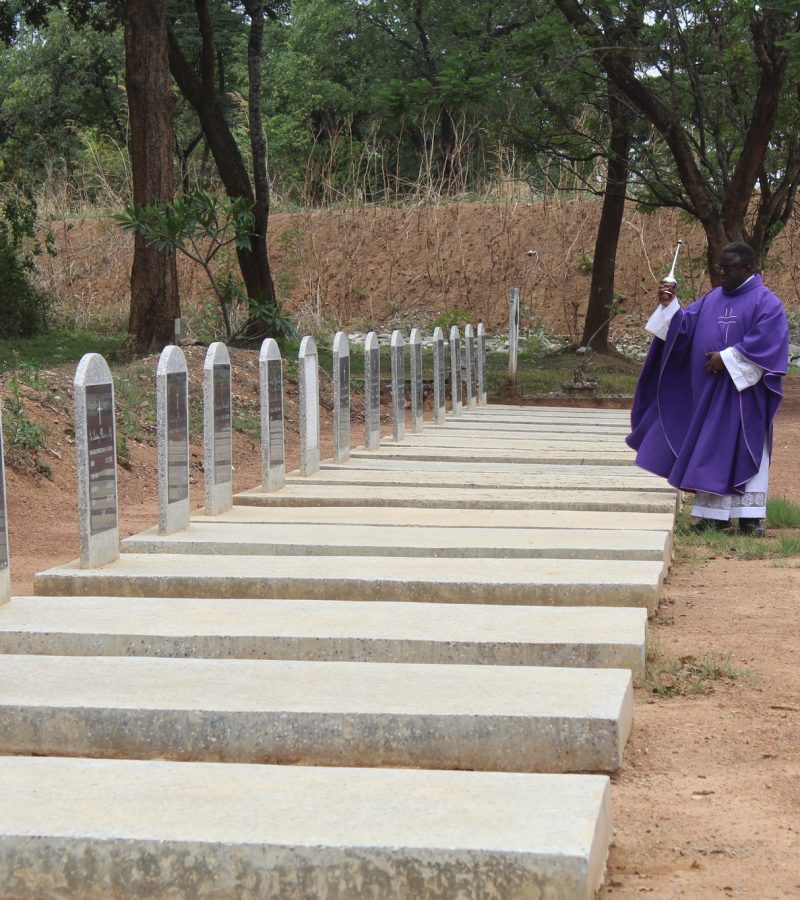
23,307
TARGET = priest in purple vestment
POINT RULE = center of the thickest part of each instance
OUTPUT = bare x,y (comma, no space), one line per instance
710,387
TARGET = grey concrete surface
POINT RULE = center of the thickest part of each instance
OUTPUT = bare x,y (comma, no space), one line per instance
460,498
527,582
214,539
400,516
326,630
101,828
488,718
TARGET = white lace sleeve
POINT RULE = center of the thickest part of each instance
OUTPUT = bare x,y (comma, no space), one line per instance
743,372
658,323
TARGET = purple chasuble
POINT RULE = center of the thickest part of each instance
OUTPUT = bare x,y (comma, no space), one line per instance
693,427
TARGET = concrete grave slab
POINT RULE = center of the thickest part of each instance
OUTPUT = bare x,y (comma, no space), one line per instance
527,582
399,516
99,828
376,472
468,498
327,630
498,718
555,454
345,539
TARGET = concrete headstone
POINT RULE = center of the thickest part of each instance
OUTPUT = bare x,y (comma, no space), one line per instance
415,352
480,366
341,398
513,334
273,443
172,415
5,572
96,451
398,348
455,370
217,430
372,392
439,377
309,406
469,354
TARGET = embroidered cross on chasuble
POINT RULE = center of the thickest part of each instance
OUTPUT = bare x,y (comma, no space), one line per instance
725,323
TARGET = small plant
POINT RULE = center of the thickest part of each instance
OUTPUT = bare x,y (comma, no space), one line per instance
447,320
671,676
204,227
783,513
585,262
23,439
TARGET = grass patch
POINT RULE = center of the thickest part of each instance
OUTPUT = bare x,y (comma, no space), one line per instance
783,513
55,348
694,547
685,676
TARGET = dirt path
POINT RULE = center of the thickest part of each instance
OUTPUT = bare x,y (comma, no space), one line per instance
707,803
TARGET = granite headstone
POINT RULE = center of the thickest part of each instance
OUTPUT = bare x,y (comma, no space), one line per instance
172,416
308,377
372,392
415,352
398,350
217,430
341,398
273,441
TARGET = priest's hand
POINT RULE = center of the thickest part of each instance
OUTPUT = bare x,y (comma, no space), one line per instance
666,293
714,363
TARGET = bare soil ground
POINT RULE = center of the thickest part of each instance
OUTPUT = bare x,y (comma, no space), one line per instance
706,803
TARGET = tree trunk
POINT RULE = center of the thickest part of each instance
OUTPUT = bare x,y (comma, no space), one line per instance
151,105
601,293
202,95
258,146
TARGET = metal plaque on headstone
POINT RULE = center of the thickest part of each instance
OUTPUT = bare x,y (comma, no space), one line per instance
309,407
223,432
273,445
415,344
102,458
372,392
480,366
96,454
439,380
172,412
277,438
455,370
398,351
177,437
217,429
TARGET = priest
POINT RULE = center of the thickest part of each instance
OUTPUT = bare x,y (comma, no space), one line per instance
707,396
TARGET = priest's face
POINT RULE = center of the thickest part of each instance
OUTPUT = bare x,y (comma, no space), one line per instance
733,271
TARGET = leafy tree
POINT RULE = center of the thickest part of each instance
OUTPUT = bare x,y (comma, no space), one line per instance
23,306
717,83
154,283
